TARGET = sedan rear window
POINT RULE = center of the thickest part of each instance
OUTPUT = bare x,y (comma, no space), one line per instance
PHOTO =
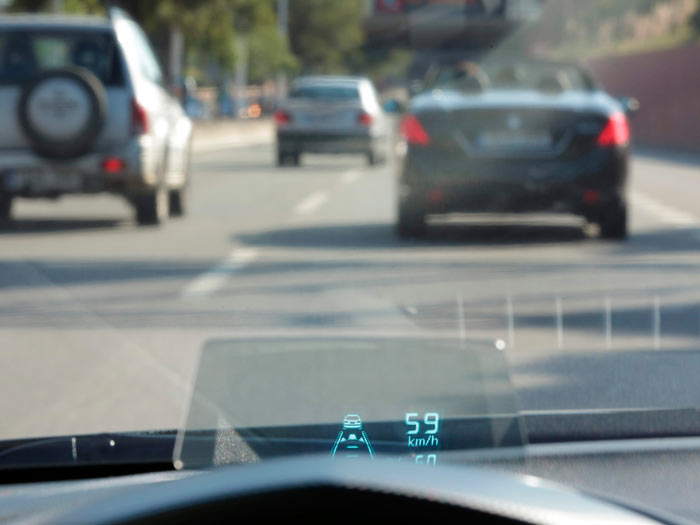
25,53
325,92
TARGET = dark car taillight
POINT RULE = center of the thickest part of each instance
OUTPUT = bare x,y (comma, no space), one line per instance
616,132
413,131
139,118
282,117
365,119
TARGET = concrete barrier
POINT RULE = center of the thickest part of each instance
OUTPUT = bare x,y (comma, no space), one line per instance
667,84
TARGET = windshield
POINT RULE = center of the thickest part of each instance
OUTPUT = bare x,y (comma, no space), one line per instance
322,225
25,53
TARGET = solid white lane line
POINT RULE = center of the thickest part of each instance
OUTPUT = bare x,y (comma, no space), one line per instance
511,322
461,327
559,309
311,203
656,323
214,279
608,323
668,214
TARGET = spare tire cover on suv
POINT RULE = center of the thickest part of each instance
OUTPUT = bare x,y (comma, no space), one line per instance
62,111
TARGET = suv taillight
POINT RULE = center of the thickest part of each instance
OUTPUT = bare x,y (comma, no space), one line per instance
139,118
413,131
616,132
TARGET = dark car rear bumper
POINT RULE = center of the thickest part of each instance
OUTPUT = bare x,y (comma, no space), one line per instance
436,183
323,142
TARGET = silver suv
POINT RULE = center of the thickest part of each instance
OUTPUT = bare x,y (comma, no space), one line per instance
84,110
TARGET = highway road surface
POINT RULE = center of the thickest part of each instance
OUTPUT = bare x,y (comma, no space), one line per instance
102,321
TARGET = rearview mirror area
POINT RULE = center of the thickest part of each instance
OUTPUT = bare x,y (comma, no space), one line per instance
393,105
629,104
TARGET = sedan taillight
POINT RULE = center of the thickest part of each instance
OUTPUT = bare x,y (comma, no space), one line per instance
413,131
282,117
365,119
616,132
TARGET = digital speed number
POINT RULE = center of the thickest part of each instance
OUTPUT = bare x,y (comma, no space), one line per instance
431,422
422,433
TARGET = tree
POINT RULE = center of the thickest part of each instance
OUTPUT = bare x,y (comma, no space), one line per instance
324,35
695,20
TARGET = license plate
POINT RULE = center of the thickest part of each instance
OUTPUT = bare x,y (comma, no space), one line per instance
40,181
323,118
517,141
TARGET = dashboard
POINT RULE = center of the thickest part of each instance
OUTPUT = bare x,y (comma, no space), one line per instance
308,488
624,481
445,443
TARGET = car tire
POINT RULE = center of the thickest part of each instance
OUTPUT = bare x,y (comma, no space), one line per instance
287,158
152,208
410,223
375,156
82,92
178,202
371,158
613,222
5,207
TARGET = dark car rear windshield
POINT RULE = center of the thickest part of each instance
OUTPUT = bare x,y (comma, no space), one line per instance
24,53
325,92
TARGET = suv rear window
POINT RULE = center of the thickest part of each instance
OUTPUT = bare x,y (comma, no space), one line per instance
325,92
24,53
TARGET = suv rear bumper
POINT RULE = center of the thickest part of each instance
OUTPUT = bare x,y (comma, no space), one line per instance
26,174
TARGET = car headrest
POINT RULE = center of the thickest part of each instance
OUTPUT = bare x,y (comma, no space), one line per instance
554,84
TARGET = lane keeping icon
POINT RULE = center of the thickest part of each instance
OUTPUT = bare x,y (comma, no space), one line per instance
352,441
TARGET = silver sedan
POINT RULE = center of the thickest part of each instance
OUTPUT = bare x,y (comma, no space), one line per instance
331,114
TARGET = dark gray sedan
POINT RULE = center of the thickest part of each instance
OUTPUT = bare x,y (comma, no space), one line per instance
514,136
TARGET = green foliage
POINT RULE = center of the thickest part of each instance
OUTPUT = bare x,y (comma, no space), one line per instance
210,28
89,7
326,35
267,54
695,20
388,64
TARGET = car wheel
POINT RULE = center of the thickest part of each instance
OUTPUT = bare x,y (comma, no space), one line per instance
178,201
375,156
152,208
371,158
178,197
5,207
288,158
411,222
613,222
